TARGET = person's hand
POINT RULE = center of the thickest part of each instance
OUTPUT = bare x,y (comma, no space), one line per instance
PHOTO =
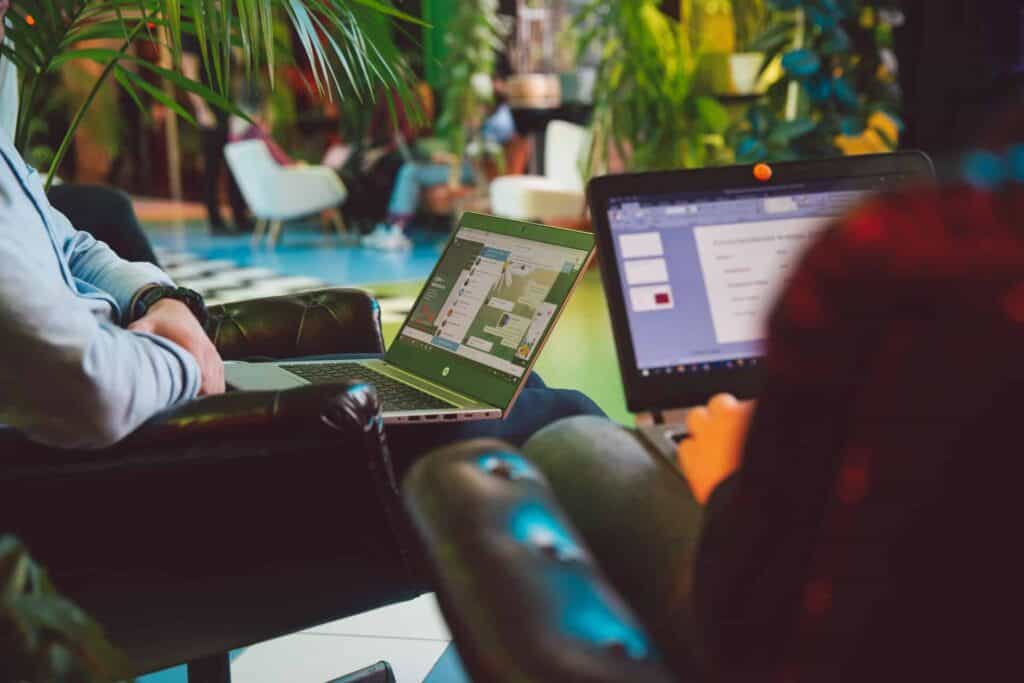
205,117
172,319
714,447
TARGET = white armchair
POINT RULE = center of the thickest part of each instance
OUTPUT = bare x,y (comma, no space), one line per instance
278,193
559,193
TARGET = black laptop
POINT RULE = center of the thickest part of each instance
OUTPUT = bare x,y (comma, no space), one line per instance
692,262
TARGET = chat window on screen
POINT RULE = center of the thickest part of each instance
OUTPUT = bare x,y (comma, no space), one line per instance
492,300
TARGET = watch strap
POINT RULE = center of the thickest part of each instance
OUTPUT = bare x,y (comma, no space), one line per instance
150,295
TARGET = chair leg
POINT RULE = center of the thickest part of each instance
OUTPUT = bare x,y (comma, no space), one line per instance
259,230
211,669
339,223
275,232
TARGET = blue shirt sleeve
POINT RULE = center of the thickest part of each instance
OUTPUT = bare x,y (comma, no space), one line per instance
499,127
70,376
71,379
94,262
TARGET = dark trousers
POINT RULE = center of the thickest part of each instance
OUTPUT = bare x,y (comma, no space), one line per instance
537,407
212,141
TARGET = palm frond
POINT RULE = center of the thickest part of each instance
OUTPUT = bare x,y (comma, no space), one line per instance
348,56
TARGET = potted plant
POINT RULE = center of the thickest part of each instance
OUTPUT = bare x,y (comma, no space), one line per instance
836,88
727,30
46,34
43,636
475,34
648,111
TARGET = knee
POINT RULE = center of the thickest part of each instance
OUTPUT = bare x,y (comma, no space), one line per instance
577,404
573,440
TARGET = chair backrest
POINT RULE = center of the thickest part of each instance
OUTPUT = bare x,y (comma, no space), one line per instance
565,147
254,170
867,538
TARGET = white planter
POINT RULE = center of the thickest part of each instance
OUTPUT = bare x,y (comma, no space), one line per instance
732,73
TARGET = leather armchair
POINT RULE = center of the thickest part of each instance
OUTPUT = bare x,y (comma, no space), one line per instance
231,519
572,561
524,595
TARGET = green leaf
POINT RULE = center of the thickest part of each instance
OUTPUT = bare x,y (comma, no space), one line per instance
886,138
852,126
775,37
787,131
349,56
801,63
712,114
761,119
751,150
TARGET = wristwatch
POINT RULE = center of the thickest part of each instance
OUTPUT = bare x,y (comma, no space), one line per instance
145,300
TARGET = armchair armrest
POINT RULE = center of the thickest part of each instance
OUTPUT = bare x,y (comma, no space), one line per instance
521,593
318,323
200,430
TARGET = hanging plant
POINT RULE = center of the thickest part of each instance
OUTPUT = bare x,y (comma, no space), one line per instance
837,81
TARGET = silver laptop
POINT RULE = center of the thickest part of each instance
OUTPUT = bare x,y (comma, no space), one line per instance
474,333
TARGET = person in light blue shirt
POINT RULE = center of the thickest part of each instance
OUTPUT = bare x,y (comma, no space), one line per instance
77,371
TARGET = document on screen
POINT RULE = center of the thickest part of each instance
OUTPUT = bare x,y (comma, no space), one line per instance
745,265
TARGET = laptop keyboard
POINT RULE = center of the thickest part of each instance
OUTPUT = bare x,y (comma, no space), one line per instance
393,395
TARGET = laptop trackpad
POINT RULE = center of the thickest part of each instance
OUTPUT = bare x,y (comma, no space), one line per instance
260,377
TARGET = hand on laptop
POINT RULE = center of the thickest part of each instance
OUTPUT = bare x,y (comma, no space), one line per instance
173,320
714,447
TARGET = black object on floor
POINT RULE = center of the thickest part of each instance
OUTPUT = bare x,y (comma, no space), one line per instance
375,673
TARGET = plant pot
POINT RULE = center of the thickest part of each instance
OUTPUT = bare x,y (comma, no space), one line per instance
578,86
536,91
732,74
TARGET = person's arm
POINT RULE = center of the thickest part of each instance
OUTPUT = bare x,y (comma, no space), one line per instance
191,67
94,262
71,380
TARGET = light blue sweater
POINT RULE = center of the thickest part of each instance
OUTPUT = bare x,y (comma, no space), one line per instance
70,375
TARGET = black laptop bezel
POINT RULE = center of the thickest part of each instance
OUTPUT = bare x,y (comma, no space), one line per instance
659,391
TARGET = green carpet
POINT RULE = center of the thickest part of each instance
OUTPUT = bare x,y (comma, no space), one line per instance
580,353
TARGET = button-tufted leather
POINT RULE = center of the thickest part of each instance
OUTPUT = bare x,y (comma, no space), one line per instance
317,323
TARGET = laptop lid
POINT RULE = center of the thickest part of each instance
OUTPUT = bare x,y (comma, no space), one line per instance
692,262
490,304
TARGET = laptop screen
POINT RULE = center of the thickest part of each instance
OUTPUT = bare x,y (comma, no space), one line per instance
489,304
700,271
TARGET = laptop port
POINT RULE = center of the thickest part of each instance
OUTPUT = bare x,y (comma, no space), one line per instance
451,416
413,418
430,417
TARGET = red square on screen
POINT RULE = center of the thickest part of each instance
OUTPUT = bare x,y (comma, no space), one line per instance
662,298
